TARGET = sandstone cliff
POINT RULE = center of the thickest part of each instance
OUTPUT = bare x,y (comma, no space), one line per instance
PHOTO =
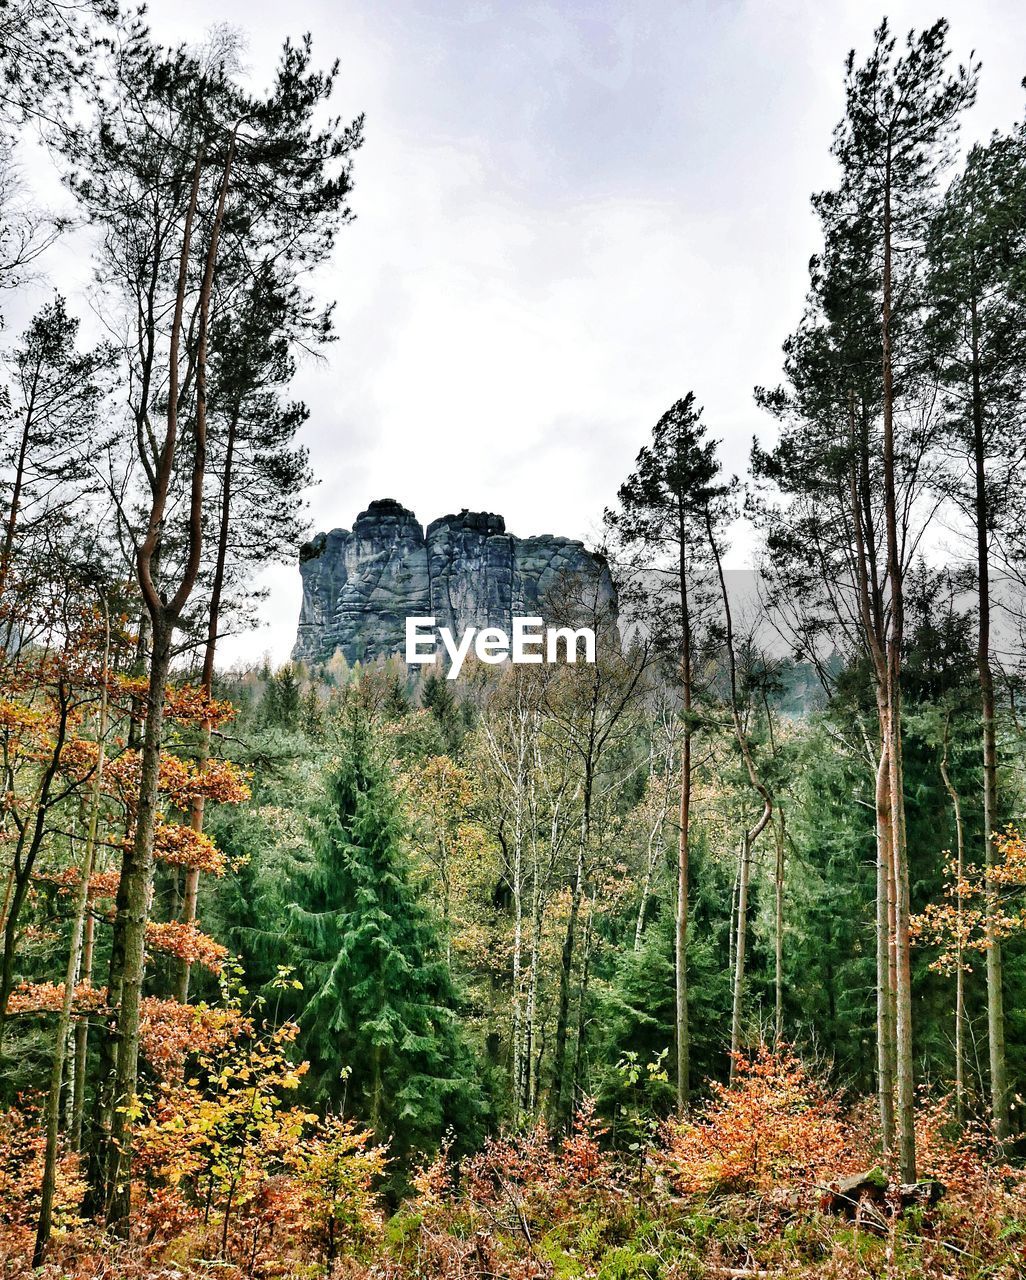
360,585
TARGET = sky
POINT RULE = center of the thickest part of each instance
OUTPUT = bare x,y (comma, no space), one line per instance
567,216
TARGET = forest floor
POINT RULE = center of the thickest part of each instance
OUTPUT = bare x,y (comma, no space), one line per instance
609,1230
771,1177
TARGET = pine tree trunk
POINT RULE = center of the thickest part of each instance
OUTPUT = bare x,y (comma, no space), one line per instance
988,728
884,951
192,875
653,846
19,481
778,935
680,933
906,1134
956,805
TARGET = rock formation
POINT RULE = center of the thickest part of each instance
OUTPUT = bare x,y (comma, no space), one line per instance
360,586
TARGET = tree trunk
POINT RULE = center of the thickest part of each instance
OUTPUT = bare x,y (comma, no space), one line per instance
558,1097
956,805
582,1003
884,952
134,891
653,849
82,1036
778,935
988,728
680,933
902,938
192,875
133,905
51,1112
744,875
19,481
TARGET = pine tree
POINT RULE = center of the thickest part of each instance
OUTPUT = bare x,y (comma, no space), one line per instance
667,507
976,323
379,1011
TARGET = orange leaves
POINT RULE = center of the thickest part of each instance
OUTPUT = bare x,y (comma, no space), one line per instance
184,941
1010,867
181,781
102,884
218,780
774,1126
47,997
187,704
180,846
190,705
170,1031
529,1168
79,757
22,1141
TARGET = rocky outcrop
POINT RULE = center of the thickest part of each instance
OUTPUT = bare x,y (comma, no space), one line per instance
360,585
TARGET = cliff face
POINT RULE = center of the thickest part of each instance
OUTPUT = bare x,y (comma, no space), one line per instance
360,586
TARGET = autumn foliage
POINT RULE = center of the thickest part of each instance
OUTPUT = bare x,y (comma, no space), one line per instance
774,1126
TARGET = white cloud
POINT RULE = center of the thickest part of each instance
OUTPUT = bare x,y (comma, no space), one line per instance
568,215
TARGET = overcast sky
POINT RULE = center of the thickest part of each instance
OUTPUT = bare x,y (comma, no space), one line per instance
568,215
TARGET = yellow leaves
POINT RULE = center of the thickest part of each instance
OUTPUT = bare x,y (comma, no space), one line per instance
439,792
224,1139
16,716
975,912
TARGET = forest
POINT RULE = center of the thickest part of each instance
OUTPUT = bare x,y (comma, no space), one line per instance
705,959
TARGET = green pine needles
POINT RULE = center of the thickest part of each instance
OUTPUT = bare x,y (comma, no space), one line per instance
380,1014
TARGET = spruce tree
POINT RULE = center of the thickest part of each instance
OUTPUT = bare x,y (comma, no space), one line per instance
380,1018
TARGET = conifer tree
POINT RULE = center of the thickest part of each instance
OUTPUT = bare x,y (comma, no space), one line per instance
976,324
379,1012
663,518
